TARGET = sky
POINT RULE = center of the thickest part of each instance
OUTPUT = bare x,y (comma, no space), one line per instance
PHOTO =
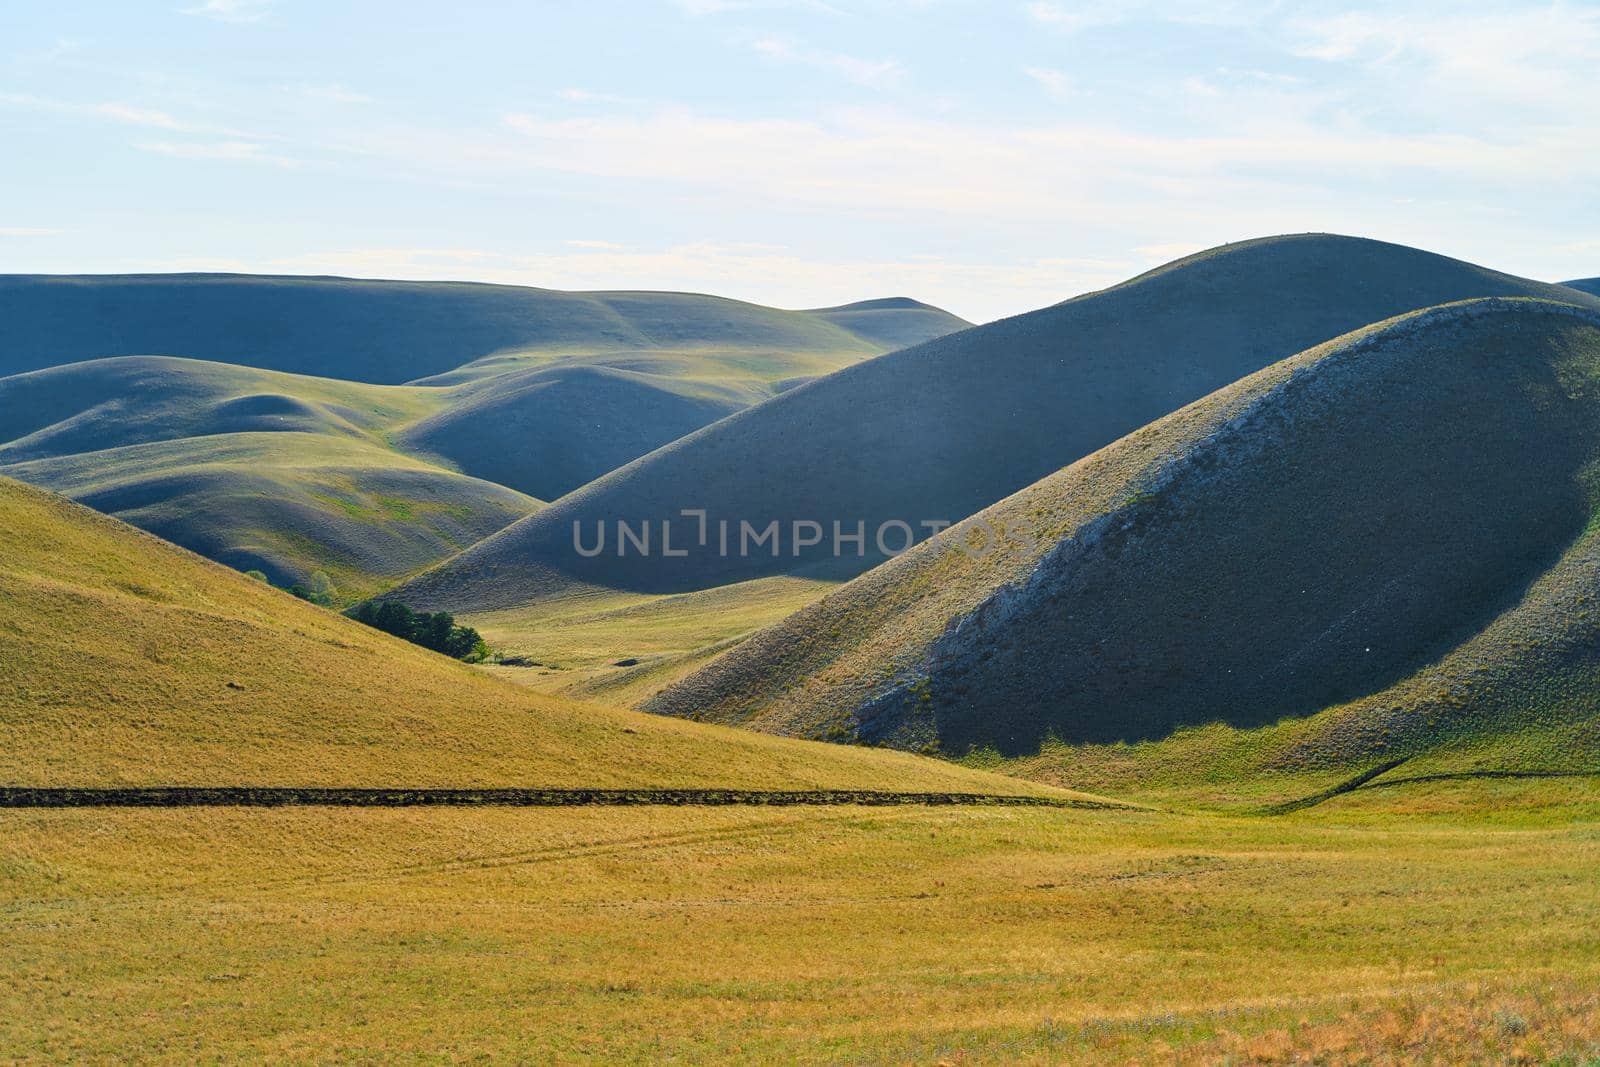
984,155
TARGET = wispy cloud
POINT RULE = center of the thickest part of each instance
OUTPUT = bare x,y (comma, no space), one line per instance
1074,17
116,112
139,116
63,46
574,95
225,151
1539,56
1053,81
334,93
700,8
230,10
872,73
892,162
28,231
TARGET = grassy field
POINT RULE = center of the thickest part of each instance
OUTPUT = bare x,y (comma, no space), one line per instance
1452,925
574,641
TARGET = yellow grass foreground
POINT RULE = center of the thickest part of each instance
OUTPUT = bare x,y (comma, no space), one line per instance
1414,932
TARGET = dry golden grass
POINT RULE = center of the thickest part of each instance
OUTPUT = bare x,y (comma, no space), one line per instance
715,935
578,636
124,660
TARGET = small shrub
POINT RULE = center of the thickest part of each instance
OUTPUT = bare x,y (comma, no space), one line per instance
318,589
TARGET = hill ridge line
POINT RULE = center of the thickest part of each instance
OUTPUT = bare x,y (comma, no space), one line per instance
399,797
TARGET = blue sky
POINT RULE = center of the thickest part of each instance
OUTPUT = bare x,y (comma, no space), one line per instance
990,157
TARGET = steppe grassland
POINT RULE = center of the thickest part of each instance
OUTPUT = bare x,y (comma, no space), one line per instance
1451,924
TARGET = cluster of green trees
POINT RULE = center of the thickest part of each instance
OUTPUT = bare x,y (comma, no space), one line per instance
436,630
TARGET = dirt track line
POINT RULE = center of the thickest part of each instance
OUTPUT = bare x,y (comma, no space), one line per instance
283,796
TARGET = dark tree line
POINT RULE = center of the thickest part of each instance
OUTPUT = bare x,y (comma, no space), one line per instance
436,630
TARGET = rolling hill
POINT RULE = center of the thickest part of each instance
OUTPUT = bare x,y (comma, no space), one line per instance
523,395
389,332
257,469
939,430
127,661
546,431
1585,285
377,481
1383,547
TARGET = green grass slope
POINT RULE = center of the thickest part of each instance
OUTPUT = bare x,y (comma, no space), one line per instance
1383,547
257,469
939,430
1585,285
392,332
125,660
109,403
549,430
288,504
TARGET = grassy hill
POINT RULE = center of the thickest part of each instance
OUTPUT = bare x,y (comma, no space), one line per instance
1585,285
127,661
548,430
1380,548
393,332
284,473
942,429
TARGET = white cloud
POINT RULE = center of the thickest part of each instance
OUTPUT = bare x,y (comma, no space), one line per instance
890,162
1535,56
334,93
872,73
574,95
63,46
230,10
116,112
225,151
1054,82
139,116
700,8
1071,18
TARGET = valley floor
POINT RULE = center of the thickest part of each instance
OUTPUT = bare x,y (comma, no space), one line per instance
1452,922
